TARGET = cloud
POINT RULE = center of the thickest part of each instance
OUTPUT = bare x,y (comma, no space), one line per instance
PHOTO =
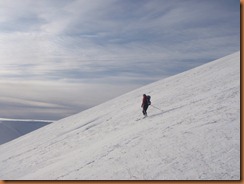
53,100
86,46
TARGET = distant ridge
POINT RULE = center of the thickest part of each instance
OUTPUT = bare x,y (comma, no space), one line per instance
11,129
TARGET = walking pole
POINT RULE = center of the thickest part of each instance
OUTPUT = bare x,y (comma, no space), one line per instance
156,108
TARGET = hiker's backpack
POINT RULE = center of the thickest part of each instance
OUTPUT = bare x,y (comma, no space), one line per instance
149,100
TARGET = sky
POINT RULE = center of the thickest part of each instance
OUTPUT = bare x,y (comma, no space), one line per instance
60,57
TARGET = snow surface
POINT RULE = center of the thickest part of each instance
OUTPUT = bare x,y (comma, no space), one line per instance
194,136
13,128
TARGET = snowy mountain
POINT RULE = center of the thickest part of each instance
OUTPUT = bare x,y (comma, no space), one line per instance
192,132
13,128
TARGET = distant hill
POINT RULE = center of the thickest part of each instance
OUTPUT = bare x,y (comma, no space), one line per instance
13,128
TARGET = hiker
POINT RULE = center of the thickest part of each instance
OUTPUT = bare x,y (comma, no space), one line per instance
145,103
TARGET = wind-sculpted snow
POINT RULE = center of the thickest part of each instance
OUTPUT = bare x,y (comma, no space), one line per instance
192,133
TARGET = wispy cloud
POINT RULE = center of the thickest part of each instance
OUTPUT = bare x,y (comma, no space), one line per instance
97,45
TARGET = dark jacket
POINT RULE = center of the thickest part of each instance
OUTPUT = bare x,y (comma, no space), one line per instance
144,101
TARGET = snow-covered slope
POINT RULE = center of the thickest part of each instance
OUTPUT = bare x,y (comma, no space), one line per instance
192,133
13,128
